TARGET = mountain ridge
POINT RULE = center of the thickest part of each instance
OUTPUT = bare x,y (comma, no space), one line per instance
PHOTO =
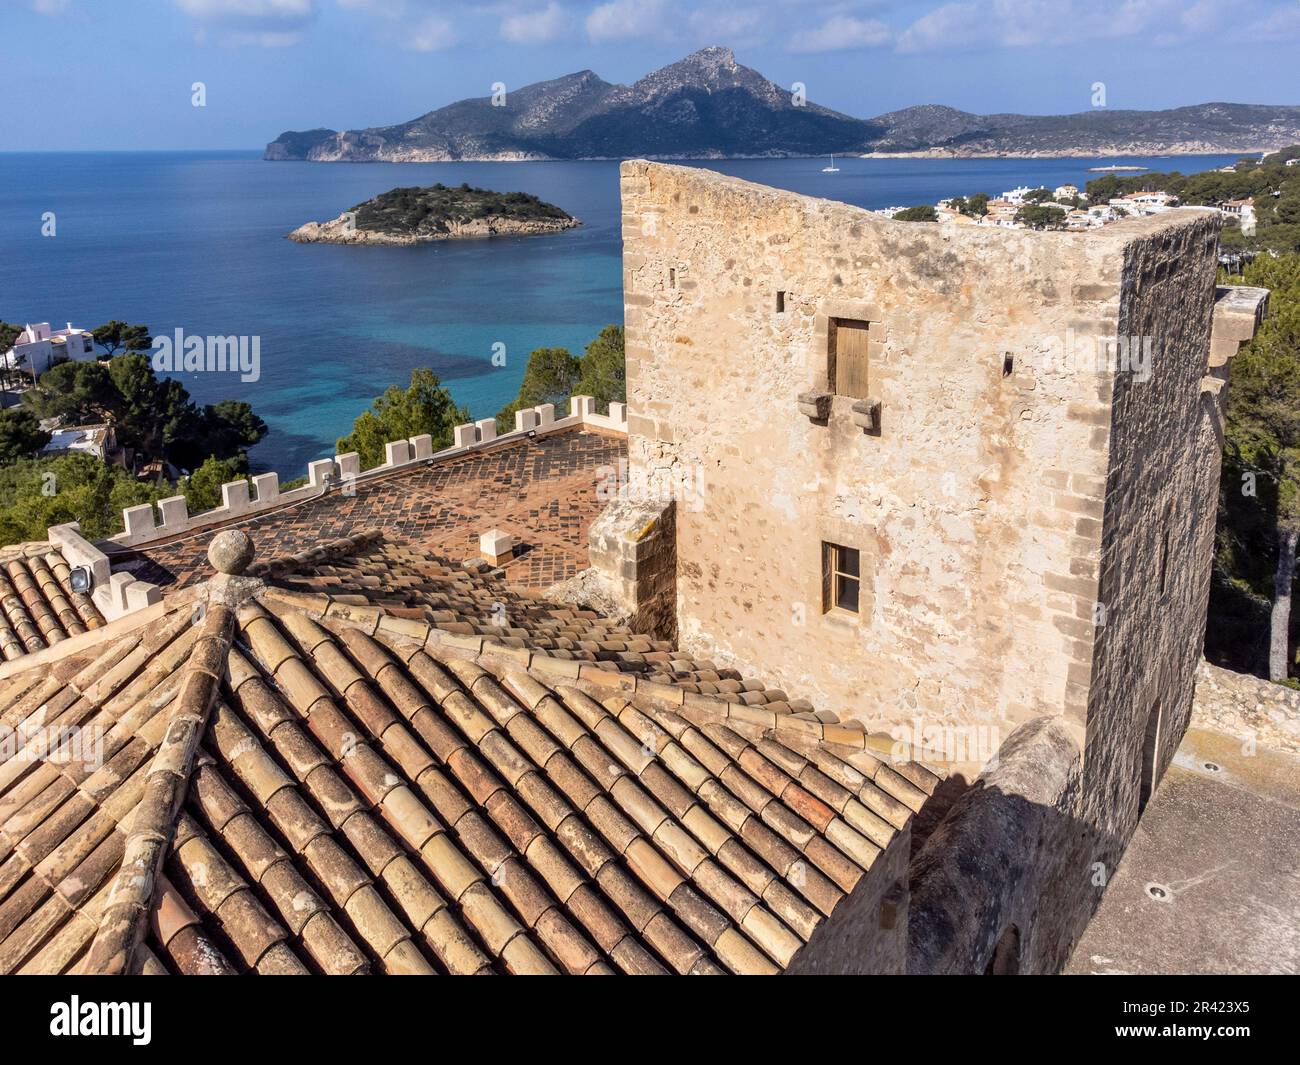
709,106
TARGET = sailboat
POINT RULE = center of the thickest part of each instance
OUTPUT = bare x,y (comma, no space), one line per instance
832,169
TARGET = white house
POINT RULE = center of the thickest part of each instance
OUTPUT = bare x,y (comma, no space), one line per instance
1065,192
1293,162
96,440
1156,198
1017,196
1144,203
38,348
1243,211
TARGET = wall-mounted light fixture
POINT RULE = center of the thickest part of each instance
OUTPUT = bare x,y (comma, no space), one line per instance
81,579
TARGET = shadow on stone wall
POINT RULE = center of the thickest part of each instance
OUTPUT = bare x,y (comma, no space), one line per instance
1008,880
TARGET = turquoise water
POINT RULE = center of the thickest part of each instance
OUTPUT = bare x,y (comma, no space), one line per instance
194,240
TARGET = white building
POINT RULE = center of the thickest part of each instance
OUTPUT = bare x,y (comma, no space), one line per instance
1065,192
95,440
1293,162
1156,198
1017,196
38,348
1144,203
1243,211
945,213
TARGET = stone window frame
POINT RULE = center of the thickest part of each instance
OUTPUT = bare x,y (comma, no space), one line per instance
817,402
854,310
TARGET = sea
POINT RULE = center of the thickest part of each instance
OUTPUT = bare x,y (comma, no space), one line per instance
195,241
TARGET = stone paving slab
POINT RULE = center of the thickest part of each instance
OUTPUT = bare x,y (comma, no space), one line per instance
1210,882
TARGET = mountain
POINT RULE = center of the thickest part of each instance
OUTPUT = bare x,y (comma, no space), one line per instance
1213,127
705,106
708,106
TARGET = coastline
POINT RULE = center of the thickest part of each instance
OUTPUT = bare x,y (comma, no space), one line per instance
1072,153
1127,151
341,231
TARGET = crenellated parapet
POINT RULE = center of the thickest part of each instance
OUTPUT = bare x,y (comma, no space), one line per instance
146,523
119,593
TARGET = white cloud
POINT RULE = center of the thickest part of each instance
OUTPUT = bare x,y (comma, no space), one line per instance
841,33
971,24
431,34
262,40
1280,25
537,27
50,7
386,8
623,20
280,10
733,27
260,23
949,26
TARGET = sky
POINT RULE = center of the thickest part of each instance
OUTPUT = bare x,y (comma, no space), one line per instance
121,74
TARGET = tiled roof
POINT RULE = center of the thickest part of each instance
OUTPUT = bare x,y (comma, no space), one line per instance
477,603
317,767
543,491
38,607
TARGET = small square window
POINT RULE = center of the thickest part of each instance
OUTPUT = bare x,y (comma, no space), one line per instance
841,578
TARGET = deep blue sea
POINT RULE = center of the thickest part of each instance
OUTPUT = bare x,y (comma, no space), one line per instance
195,240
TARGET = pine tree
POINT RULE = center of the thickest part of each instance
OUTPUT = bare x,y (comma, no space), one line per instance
1263,432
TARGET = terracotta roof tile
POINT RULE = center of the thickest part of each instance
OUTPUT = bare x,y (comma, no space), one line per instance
367,792
38,607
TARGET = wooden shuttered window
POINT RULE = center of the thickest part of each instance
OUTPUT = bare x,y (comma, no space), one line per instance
848,357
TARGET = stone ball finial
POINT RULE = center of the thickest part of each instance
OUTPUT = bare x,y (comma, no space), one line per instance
230,551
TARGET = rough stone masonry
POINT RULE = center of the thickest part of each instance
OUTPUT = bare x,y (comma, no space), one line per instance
1022,465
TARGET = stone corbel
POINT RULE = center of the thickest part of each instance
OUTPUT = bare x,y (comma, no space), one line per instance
866,414
1238,313
815,405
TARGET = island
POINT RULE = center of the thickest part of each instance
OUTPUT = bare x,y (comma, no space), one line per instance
420,215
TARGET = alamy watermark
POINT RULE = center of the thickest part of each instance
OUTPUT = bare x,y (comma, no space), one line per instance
59,744
681,483
1094,354
133,1020
945,743
208,354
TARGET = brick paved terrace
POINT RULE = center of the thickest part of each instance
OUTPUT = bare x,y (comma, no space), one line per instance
541,491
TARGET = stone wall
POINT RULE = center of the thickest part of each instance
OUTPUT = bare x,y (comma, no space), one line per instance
1161,497
633,575
1257,711
1009,864
867,933
977,503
